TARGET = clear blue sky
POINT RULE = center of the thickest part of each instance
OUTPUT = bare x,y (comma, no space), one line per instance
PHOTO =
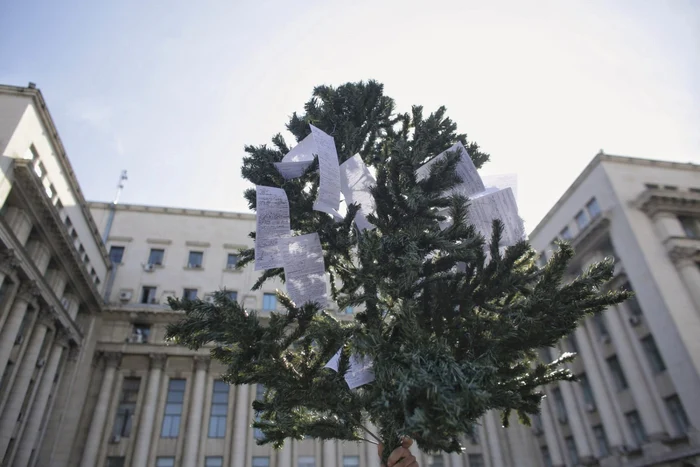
171,91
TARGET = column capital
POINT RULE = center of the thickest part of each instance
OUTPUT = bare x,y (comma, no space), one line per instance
28,291
158,360
201,362
46,317
73,353
683,256
112,359
8,261
62,336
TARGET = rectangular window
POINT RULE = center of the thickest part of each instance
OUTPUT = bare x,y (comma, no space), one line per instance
156,256
148,295
593,208
113,461
259,395
582,219
632,303
349,310
476,460
195,259
651,186
189,294
231,261
653,355
260,461
173,409
587,391
437,461
617,373
601,329
116,253
680,419
269,302
690,226
670,187
140,333
635,423
537,424
559,405
165,462
601,440
219,410
351,461
232,295
565,233
127,407
546,458
571,449
213,461
306,461
474,434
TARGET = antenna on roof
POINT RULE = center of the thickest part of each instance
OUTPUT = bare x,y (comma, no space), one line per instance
120,186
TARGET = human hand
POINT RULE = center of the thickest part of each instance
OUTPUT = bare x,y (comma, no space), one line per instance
401,456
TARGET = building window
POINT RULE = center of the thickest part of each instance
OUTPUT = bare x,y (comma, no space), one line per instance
155,257
601,440
632,303
476,460
593,208
635,423
231,261
571,449
219,410
680,419
655,361
165,462
617,373
651,186
127,407
587,391
113,461
565,233
116,253
260,461
559,405
670,187
195,259
582,219
546,458
232,295
537,426
690,226
269,302
140,333
189,294
148,295
173,409
601,329
572,342
349,310
213,461
436,461
306,461
351,461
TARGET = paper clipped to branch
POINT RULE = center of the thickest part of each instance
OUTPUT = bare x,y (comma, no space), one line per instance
356,181
304,270
502,181
359,371
271,224
497,204
466,170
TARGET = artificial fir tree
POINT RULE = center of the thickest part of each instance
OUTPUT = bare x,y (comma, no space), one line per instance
450,320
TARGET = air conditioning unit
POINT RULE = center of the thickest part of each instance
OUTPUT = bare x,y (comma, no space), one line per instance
115,439
40,363
590,408
635,320
148,267
125,295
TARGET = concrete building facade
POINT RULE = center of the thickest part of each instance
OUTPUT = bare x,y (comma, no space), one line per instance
89,380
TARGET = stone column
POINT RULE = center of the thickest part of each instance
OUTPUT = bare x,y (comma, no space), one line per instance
194,418
57,280
493,439
329,453
99,414
240,431
456,460
39,253
71,304
26,295
285,456
148,412
683,259
19,222
641,393
602,398
550,434
371,449
18,391
575,421
8,263
38,409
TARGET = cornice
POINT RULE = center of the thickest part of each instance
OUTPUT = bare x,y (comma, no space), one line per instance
653,202
173,211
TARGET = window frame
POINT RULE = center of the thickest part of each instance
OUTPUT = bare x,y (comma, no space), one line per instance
273,296
173,419
601,438
112,249
195,265
218,419
635,421
582,219
231,266
152,298
617,372
653,354
150,257
593,215
186,292
678,413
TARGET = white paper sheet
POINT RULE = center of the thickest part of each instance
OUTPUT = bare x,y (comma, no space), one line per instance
359,371
294,169
502,181
304,270
271,224
501,205
356,181
328,199
296,161
471,181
